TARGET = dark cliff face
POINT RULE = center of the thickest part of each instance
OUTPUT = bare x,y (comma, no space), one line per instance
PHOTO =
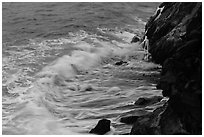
175,42
173,26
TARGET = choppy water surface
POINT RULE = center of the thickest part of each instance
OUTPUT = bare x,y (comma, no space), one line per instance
59,72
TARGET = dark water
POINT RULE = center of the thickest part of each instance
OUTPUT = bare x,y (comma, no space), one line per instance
58,67
23,21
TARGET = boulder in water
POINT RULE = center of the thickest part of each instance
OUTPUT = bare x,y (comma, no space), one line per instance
144,101
102,127
135,39
118,63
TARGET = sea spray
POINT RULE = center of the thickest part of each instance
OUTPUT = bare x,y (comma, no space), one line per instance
86,58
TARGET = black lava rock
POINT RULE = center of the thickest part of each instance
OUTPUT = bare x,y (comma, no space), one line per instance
102,127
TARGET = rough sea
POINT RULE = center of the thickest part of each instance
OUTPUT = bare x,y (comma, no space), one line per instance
58,66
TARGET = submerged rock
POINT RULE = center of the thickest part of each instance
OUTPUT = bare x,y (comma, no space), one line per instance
121,63
102,127
135,39
86,87
114,89
175,42
144,101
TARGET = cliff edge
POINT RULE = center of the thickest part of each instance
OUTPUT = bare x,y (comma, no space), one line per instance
174,37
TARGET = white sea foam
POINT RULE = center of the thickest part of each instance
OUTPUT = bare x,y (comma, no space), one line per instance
57,83
87,58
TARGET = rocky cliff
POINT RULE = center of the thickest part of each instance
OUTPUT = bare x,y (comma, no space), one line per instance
174,37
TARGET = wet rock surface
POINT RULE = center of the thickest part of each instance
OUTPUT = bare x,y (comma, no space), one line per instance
144,101
118,63
102,127
174,33
129,119
147,124
135,39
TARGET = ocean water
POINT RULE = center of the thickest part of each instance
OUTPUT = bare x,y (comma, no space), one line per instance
58,66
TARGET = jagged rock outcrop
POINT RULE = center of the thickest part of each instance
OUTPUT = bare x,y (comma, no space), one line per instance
174,34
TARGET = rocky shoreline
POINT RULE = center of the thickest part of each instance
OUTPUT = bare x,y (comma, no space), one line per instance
174,37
